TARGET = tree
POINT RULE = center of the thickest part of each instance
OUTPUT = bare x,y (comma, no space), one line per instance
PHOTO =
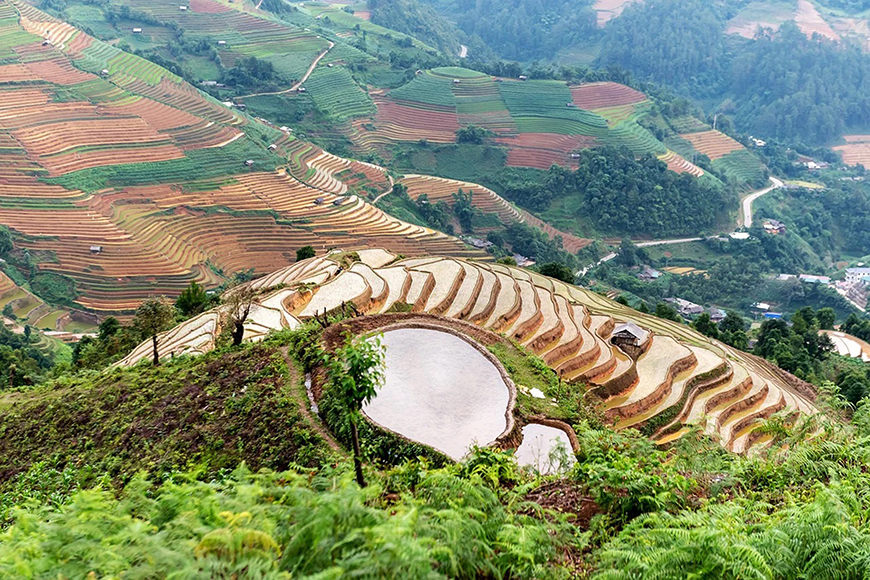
627,253
558,271
153,317
667,312
193,300
5,240
355,369
238,301
826,317
109,327
706,326
304,253
472,134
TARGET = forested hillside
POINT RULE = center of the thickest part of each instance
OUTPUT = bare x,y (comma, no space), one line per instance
781,85
524,30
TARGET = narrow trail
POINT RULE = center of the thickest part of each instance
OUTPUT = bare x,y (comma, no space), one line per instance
300,82
388,192
463,52
293,385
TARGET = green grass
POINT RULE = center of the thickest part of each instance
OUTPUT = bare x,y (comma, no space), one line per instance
199,164
337,95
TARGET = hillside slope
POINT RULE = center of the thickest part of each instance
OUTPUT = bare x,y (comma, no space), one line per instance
671,378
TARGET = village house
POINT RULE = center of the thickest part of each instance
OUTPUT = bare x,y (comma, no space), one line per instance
774,227
684,307
648,274
812,279
628,334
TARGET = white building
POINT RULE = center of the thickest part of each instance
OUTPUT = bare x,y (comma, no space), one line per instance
857,274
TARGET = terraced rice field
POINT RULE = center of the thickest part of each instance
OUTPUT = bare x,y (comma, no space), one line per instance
151,171
541,123
848,345
692,378
246,33
856,151
712,143
487,201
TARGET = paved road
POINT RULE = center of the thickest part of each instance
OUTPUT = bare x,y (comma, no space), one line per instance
746,204
667,242
745,221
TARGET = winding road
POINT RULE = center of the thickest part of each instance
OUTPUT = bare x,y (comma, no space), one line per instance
744,221
746,204
298,83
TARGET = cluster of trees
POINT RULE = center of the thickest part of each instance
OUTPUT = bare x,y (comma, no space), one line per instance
832,221
250,72
797,348
780,85
730,330
624,195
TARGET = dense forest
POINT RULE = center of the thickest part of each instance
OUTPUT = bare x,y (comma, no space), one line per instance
778,85
834,221
419,20
624,195
524,30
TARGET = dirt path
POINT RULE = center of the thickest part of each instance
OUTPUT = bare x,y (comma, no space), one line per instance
388,192
298,83
463,52
294,386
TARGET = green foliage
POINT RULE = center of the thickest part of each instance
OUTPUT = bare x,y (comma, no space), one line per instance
557,271
472,134
418,20
304,253
5,240
798,348
282,524
153,316
617,193
54,288
524,30
193,300
781,85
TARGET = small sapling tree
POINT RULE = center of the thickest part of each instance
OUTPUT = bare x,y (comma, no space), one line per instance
356,371
239,302
153,317
193,300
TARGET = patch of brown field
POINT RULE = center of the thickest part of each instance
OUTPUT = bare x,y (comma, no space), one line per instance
857,138
810,21
543,150
712,143
208,7
602,95
609,9
855,153
363,14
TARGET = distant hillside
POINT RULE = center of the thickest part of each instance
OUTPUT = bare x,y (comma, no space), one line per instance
189,188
